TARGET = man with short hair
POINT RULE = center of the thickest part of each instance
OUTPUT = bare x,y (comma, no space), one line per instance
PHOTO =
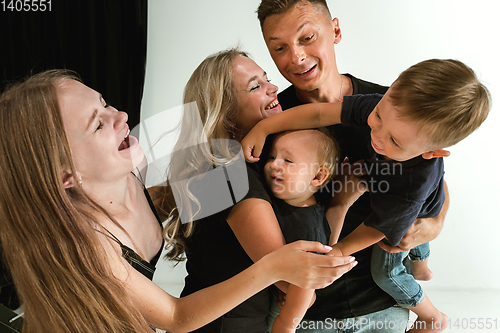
301,37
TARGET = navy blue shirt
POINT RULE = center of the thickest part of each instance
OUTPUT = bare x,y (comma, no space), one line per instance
400,192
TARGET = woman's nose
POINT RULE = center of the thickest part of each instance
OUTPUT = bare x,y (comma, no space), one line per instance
121,117
272,88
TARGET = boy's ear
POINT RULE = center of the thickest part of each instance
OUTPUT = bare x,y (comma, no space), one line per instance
436,153
321,176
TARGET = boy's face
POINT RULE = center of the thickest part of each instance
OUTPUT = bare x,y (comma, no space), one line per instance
292,165
393,137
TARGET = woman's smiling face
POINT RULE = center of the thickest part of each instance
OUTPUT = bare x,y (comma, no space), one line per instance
97,133
256,95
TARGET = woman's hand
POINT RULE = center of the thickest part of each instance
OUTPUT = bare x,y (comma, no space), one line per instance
253,143
296,264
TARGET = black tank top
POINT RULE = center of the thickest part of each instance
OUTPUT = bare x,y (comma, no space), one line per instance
142,266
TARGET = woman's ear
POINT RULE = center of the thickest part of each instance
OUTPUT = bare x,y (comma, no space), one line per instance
321,176
69,180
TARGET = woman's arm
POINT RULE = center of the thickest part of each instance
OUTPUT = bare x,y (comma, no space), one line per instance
312,115
255,226
193,311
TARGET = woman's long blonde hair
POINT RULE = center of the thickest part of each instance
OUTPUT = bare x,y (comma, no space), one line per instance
197,151
48,236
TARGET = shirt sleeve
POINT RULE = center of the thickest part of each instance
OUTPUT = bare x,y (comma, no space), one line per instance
357,108
256,187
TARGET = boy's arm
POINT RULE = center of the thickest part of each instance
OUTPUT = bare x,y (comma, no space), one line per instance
297,302
335,216
312,115
361,238
348,186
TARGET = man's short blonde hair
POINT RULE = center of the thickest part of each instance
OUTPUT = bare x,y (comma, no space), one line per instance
274,7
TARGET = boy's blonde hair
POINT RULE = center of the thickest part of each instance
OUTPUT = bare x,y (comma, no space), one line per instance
328,150
445,97
328,153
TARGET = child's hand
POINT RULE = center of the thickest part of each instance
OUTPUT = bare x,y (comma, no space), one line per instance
336,252
253,143
349,184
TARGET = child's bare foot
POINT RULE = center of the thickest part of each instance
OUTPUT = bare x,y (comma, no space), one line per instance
429,320
421,271
435,325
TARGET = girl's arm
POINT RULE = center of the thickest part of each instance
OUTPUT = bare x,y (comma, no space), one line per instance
312,115
185,314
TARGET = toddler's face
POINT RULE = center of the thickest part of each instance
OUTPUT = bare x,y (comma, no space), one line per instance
393,137
292,165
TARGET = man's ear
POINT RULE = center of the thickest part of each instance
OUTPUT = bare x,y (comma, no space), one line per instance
320,176
336,31
436,153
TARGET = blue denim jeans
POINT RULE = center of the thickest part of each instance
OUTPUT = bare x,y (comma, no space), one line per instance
394,277
391,320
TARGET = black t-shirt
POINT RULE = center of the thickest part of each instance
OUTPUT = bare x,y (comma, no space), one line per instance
400,192
214,254
355,293
303,223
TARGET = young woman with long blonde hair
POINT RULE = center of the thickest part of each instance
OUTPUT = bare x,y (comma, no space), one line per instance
231,94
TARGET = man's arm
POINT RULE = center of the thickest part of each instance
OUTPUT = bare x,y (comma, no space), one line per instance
422,230
305,116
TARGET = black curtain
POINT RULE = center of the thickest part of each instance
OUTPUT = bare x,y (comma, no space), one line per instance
104,41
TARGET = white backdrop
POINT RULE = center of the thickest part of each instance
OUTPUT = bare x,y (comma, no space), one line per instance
380,39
